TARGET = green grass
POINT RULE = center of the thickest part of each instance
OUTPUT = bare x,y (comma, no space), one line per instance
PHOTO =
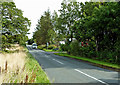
89,60
51,50
34,69
48,50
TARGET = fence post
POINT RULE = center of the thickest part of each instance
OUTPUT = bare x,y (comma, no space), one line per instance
6,66
0,70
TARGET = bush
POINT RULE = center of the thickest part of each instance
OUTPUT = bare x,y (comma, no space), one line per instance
51,47
64,47
91,54
41,47
74,48
110,57
84,51
55,49
107,56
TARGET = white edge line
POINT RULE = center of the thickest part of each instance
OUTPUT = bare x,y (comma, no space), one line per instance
91,76
57,61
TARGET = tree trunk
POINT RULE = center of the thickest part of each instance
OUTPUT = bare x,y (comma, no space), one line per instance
96,45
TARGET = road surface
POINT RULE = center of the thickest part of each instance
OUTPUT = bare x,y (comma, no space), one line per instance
65,70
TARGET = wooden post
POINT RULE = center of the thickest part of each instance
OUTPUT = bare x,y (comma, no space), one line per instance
26,79
6,66
0,70
21,83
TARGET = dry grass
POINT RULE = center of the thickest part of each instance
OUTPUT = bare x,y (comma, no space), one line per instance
14,60
19,66
12,66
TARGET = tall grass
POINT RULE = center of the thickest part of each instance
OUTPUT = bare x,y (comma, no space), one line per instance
12,64
15,67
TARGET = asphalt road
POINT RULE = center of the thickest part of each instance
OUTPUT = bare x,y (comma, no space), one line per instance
65,70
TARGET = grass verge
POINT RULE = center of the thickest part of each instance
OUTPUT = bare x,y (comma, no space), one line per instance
48,50
98,63
51,50
35,70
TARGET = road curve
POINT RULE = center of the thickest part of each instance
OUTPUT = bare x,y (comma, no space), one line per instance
65,70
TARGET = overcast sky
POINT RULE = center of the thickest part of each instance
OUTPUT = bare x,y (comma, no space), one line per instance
33,9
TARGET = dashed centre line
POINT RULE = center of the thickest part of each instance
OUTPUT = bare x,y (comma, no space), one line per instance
91,76
57,61
46,56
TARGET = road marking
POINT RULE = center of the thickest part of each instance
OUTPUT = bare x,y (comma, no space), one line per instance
46,56
91,76
57,61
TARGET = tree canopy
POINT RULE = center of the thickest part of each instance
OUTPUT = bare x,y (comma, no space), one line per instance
94,23
14,26
44,29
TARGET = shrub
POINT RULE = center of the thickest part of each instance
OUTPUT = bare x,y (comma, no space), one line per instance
55,49
41,47
64,47
112,57
51,46
74,48
107,56
91,54
84,51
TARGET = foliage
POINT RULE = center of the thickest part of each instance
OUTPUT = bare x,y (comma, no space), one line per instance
35,70
95,23
96,62
75,48
64,47
56,21
14,25
41,47
99,24
51,47
91,54
30,41
69,13
44,33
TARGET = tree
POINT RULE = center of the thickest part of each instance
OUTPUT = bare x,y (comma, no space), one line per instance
69,13
44,30
81,30
99,23
14,25
102,23
58,36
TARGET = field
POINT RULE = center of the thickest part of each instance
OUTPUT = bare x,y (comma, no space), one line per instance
19,66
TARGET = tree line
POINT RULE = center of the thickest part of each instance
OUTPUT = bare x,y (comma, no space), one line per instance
95,23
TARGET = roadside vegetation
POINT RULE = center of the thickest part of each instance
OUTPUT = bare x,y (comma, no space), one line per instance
15,26
37,75
50,48
16,63
20,67
89,29
92,61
